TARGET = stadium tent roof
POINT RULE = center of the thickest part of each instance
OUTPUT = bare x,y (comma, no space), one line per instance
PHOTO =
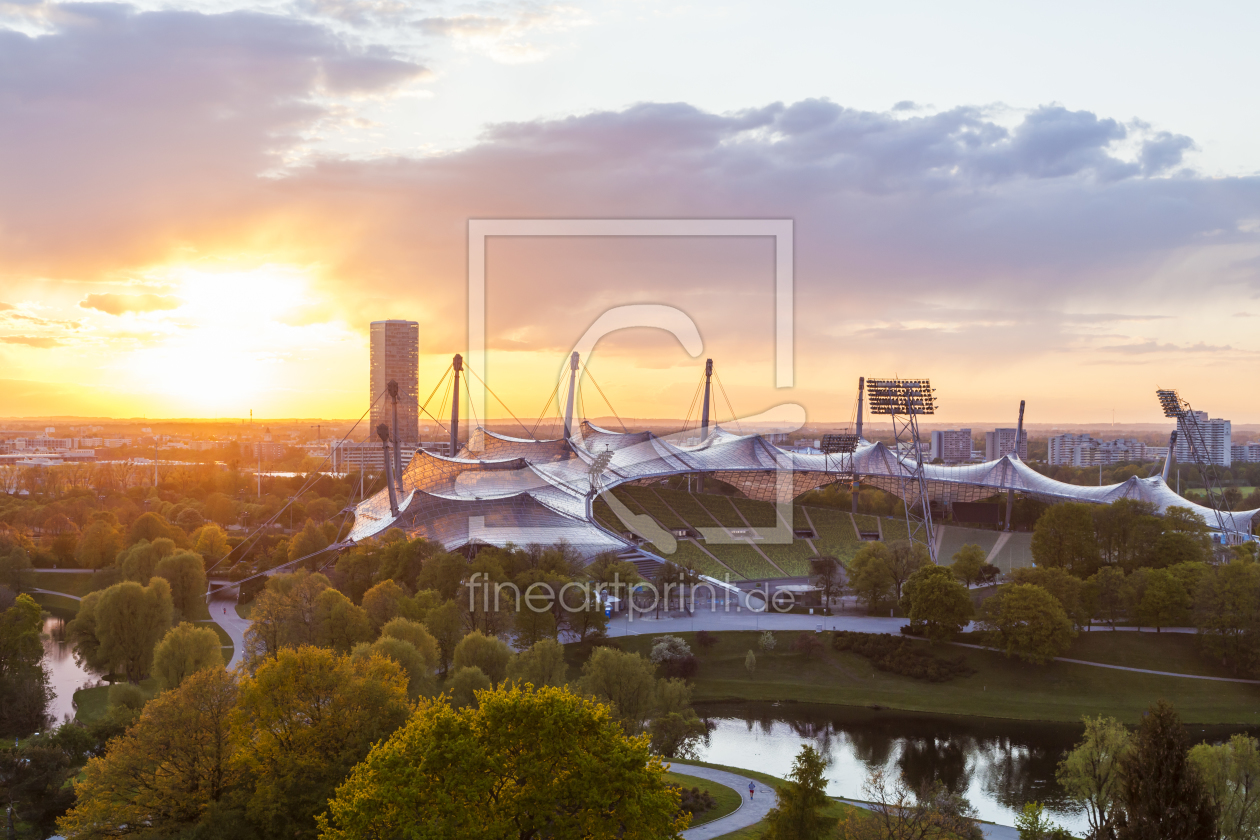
523,491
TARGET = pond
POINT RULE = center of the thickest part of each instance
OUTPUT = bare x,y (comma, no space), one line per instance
999,765
64,674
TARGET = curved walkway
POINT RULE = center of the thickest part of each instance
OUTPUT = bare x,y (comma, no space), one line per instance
750,811
223,613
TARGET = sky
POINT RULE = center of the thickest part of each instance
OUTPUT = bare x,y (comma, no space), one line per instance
203,206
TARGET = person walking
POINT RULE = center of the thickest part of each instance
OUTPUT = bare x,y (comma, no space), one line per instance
752,790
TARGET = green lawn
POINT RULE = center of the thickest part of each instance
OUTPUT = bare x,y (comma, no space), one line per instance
58,605
244,610
727,799
70,584
91,703
1000,688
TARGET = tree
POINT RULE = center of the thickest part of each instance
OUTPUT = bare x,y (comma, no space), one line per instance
210,541
153,526
904,559
807,644
339,623
1029,623
488,653
120,626
1164,601
1227,611
1231,774
624,680
304,719
799,814
174,764
184,650
24,691
1108,593
827,574
750,663
35,784
414,633
185,571
138,561
1162,794
899,813
766,641
1064,539
383,602
1090,773
869,575
706,641
284,614
543,664
446,624
524,763
309,541
98,545
937,602
1067,589
465,683
445,573
1033,824
968,561
419,670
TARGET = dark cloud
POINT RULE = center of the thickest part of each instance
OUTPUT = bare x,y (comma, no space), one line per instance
119,304
30,340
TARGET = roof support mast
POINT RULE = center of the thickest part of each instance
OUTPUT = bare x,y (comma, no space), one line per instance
383,432
393,393
568,407
458,364
704,416
1010,494
1168,462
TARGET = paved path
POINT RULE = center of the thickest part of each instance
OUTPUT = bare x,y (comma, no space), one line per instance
750,810
62,594
223,613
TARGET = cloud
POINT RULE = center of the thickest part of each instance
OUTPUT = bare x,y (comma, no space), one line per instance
30,340
1152,346
118,304
5,307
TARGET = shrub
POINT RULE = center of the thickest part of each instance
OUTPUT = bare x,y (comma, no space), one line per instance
807,643
668,648
706,641
767,641
684,667
900,656
694,801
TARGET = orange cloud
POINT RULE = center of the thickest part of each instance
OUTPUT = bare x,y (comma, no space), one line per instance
119,304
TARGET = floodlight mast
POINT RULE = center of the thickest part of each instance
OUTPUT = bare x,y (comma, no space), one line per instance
1010,493
903,400
457,364
1196,440
704,415
393,393
383,432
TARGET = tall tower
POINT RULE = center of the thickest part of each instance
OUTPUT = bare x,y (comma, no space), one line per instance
396,355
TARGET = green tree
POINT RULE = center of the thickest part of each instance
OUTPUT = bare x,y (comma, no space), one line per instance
1064,539
465,683
1090,773
937,602
309,541
339,623
750,663
383,602
415,634
490,654
186,573
210,541
904,559
543,664
1164,601
98,545
524,763
1163,796
1108,592
446,624
137,562
444,572
24,691
120,626
1033,824
869,575
356,571
799,814
1227,611
163,776
827,573
304,719
1231,774
1029,622
184,650
153,526
418,669
968,561
626,681
284,614
1067,589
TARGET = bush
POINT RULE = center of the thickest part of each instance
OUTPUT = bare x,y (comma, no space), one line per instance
706,641
807,643
900,656
684,667
695,801
127,696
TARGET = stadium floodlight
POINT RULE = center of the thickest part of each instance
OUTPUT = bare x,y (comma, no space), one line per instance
904,400
841,444
906,397
1171,403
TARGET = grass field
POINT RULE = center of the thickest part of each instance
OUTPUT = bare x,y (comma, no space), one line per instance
727,799
70,584
91,703
1000,688
58,605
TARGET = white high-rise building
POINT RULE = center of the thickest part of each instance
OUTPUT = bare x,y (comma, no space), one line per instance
1216,435
1001,442
1248,453
953,446
1071,450
396,355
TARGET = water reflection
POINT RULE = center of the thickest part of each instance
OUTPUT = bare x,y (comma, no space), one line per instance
65,675
999,765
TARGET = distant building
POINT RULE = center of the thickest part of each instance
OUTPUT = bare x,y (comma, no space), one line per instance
1216,433
395,355
952,446
1248,453
1084,451
1001,442
1071,450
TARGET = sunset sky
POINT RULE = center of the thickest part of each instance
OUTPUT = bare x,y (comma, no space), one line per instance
202,206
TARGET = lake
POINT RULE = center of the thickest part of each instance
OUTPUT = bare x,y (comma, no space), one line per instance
999,765
65,675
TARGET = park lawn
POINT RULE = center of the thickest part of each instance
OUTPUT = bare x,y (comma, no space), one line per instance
1176,652
835,810
59,605
90,704
244,610
1001,687
79,585
727,799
